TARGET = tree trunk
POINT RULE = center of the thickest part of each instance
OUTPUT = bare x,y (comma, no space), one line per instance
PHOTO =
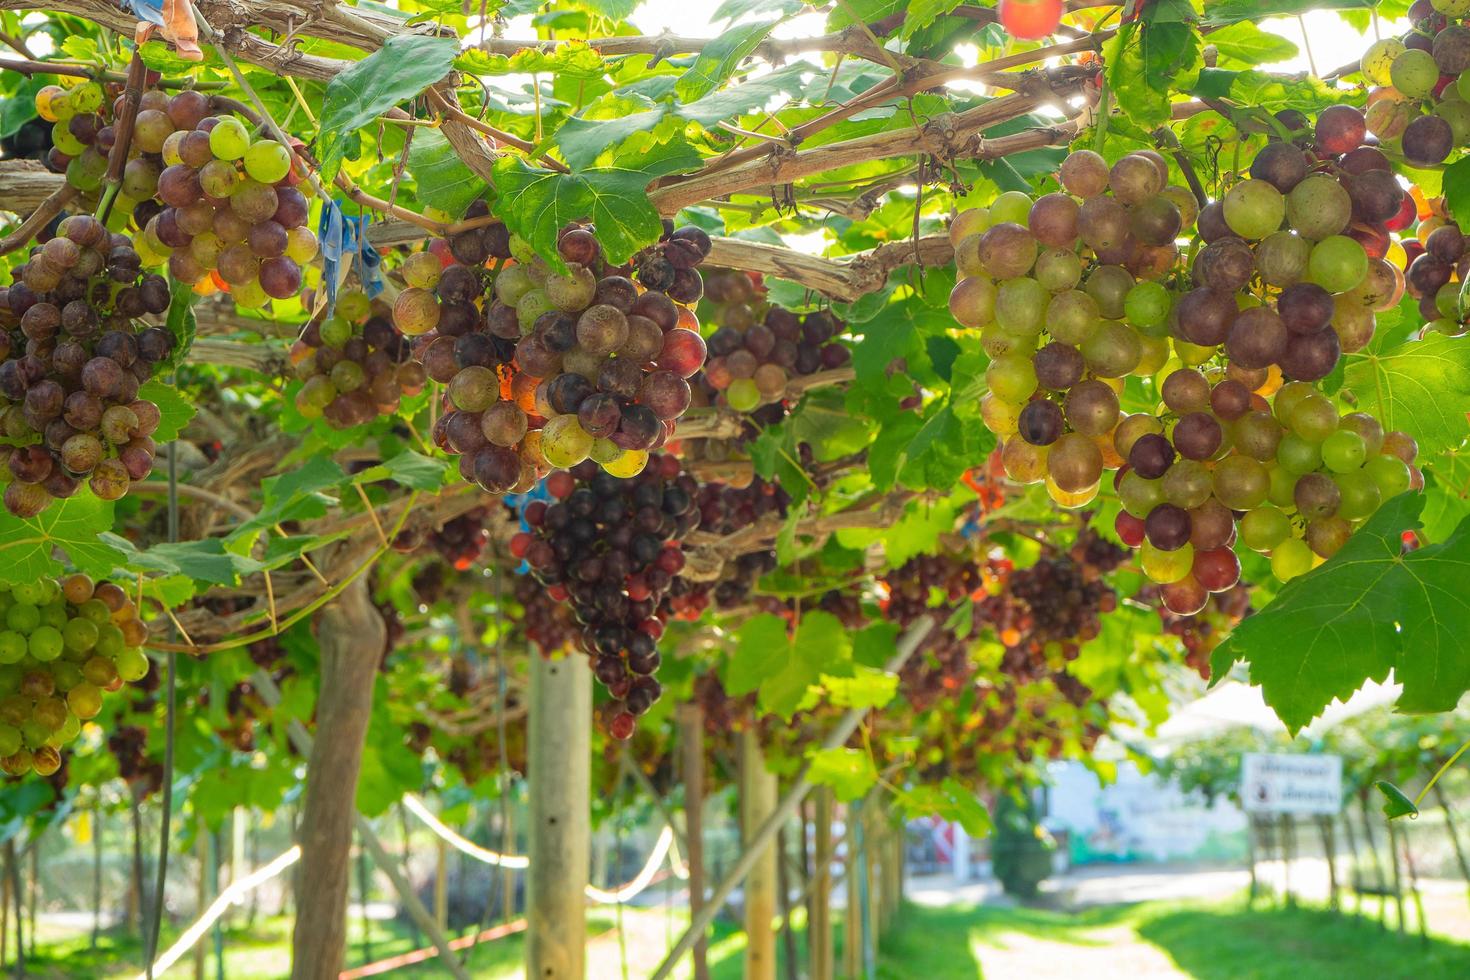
559,744
757,801
1329,848
1381,880
12,864
691,738
791,969
819,907
1398,888
351,633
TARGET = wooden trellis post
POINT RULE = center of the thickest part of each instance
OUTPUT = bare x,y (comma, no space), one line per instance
757,802
559,745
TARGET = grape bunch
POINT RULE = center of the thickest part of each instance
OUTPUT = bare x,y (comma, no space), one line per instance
62,645
1201,632
461,540
129,746
1042,614
941,666
544,369
73,361
758,347
724,509
353,365
1068,302
81,135
545,621
221,208
610,547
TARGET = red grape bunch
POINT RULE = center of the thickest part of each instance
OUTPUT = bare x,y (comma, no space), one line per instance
759,347
353,365
545,621
609,546
941,666
73,361
545,370
222,208
1201,632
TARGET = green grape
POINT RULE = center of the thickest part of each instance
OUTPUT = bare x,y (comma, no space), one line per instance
85,98
132,664
266,161
229,140
79,634
1165,567
335,331
54,614
110,642
513,283
1291,558
1011,206
1012,378
70,729
564,443
1147,307
1378,60
64,141
96,611
1139,496
22,617
9,740
1254,209
629,464
1283,487
1241,482
85,700
1187,484
1414,73
743,395
66,674
45,643
302,246
1020,307
1264,528
1390,473
1337,264
1344,451
12,647
1360,495
30,592
1313,418
1297,456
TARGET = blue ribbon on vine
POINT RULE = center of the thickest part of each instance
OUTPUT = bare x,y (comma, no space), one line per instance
343,235
149,10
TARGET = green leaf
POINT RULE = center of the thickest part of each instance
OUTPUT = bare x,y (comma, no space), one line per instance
763,645
719,59
849,772
1248,45
442,179
403,67
536,203
292,496
181,321
1396,802
1369,609
174,409
1147,61
1456,187
583,140
19,107
950,800
74,526
866,688
821,646
750,95
874,646
1422,387
411,469
204,561
1219,12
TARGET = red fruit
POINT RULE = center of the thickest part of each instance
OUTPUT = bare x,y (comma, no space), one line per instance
1408,214
558,592
560,484
519,543
637,588
439,248
1030,21
535,512
1129,528
621,726
653,628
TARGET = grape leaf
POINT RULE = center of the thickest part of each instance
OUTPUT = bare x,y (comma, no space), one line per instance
1146,61
950,800
1396,802
719,59
1221,12
763,645
174,409
849,772
74,525
19,108
1422,386
536,203
1249,46
411,469
181,321
1369,609
403,67
203,561
866,688
922,13
873,645
441,177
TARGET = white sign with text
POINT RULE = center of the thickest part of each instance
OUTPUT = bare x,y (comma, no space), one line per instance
1295,784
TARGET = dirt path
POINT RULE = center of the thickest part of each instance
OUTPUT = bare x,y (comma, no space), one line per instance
1112,953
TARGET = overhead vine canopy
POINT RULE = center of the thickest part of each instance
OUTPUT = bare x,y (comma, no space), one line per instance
719,361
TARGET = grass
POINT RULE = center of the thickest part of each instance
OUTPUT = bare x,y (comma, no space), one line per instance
1209,941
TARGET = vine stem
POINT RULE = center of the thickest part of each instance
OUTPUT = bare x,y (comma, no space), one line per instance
1440,772
306,610
132,96
29,67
